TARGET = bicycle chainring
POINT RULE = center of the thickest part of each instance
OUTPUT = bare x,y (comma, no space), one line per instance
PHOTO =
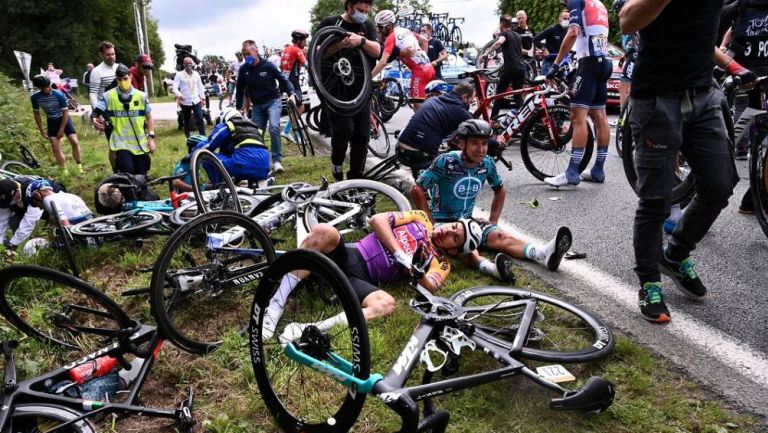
441,310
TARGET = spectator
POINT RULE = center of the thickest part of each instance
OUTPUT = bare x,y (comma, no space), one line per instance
143,63
551,39
127,112
190,93
87,76
54,75
527,35
231,74
59,124
103,75
435,50
258,78
215,80
514,68
16,212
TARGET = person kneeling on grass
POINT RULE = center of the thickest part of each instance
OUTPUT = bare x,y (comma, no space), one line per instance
383,256
455,179
185,184
71,208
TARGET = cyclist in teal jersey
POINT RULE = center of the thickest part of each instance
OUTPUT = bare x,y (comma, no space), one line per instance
455,179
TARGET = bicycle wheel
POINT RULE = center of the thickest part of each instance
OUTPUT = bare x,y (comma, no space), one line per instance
17,168
126,223
299,397
59,309
188,211
203,283
393,92
620,122
64,241
378,144
493,59
293,117
456,37
312,119
38,418
342,78
387,106
301,130
333,206
758,178
553,158
208,171
559,332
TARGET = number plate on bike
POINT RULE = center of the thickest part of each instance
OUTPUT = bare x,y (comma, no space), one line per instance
556,373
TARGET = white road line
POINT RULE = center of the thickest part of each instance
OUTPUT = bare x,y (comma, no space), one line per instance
729,350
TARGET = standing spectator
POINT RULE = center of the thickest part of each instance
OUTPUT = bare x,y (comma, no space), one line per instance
127,111
676,107
259,78
143,63
103,75
551,39
513,71
54,75
190,93
274,57
215,81
231,75
527,36
59,124
87,76
435,50
353,131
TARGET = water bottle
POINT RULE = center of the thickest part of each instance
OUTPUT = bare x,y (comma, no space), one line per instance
127,377
91,369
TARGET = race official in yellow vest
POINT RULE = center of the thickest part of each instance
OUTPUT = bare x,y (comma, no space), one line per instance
125,112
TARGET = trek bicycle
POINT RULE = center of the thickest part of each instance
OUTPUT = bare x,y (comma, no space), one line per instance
299,129
68,314
327,347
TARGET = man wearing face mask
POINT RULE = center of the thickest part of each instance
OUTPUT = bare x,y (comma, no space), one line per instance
551,39
189,91
127,111
435,50
353,131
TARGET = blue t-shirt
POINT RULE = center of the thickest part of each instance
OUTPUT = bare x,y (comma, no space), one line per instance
183,167
454,186
53,105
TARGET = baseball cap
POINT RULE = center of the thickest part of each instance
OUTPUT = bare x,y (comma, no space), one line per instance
144,60
7,188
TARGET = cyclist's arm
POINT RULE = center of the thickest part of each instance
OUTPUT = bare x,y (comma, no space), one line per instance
419,196
637,14
423,42
438,271
570,38
497,204
39,121
389,46
383,223
26,225
727,38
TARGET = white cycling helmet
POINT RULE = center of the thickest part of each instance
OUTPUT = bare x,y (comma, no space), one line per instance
228,114
33,246
473,234
384,17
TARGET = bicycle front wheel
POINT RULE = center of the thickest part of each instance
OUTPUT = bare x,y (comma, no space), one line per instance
209,173
559,332
758,179
298,396
378,144
188,211
125,223
203,283
59,309
36,418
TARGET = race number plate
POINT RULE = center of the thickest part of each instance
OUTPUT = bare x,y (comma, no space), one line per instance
556,373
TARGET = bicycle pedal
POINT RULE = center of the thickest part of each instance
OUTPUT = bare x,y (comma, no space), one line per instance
456,340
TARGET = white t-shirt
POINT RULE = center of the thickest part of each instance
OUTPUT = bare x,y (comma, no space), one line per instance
101,77
70,206
190,86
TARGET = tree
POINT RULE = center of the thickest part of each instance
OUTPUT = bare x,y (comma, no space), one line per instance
326,8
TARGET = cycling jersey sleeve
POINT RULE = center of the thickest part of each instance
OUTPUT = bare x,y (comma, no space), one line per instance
494,179
576,8
400,218
431,176
389,44
35,107
61,98
438,271
219,136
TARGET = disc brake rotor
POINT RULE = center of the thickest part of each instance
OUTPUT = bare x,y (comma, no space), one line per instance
343,68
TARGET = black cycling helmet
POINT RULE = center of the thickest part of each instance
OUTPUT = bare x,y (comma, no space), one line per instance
475,128
121,71
41,81
298,35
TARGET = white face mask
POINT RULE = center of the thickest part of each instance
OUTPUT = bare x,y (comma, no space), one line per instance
564,23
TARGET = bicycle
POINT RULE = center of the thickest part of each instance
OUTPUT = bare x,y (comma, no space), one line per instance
299,129
455,38
27,163
67,313
327,344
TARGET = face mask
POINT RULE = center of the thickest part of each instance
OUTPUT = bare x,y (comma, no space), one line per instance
124,85
189,67
564,23
359,17
249,60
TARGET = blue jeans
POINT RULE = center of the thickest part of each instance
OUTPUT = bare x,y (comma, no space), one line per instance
269,111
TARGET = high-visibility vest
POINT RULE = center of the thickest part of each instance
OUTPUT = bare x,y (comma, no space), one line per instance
127,122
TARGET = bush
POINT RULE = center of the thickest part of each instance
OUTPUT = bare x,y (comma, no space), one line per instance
16,111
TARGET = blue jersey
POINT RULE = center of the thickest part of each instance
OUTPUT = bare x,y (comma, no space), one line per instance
53,105
183,167
454,187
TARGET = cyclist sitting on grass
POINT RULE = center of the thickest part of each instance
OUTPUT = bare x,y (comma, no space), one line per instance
383,256
71,208
185,184
454,181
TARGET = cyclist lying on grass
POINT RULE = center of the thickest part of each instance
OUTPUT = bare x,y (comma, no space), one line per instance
381,257
454,180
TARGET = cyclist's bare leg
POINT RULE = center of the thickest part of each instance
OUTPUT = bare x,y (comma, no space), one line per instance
500,240
378,304
57,153
602,129
579,126
75,147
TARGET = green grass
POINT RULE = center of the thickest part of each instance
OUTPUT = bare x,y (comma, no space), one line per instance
651,396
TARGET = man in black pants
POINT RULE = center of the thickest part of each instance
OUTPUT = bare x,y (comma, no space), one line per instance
676,107
513,71
354,131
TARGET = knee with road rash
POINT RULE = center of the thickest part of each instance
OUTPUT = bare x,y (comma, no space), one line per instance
322,235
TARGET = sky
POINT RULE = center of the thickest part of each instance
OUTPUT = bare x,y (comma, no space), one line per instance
219,27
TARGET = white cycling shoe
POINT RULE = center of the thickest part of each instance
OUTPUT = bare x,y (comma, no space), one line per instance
562,179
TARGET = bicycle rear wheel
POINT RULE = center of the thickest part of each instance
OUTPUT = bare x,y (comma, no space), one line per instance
37,418
126,223
203,283
17,168
208,171
758,178
394,93
188,211
559,332
299,397
312,116
378,144
59,309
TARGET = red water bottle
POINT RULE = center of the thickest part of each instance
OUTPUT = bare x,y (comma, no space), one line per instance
95,368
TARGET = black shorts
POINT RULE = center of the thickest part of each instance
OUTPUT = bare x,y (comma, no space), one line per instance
352,264
589,89
55,124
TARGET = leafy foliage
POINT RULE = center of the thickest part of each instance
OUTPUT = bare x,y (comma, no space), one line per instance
326,8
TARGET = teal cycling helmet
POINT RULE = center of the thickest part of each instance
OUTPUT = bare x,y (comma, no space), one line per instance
194,140
37,185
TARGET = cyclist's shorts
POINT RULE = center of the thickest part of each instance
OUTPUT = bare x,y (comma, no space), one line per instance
421,76
54,124
353,265
297,91
589,89
629,67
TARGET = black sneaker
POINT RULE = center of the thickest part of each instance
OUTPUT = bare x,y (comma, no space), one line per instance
338,174
652,305
747,207
562,243
504,266
685,276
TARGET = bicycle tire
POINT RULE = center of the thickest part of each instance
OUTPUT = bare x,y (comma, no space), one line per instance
300,128
33,297
64,241
121,224
360,191
342,79
388,106
492,59
564,332
311,121
758,178
338,406
378,143
456,37
553,159
293,117
201,162
394,92
16,167
620,122
188,211
198,294
31,418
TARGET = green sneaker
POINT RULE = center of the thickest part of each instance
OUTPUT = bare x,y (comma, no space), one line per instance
652,305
